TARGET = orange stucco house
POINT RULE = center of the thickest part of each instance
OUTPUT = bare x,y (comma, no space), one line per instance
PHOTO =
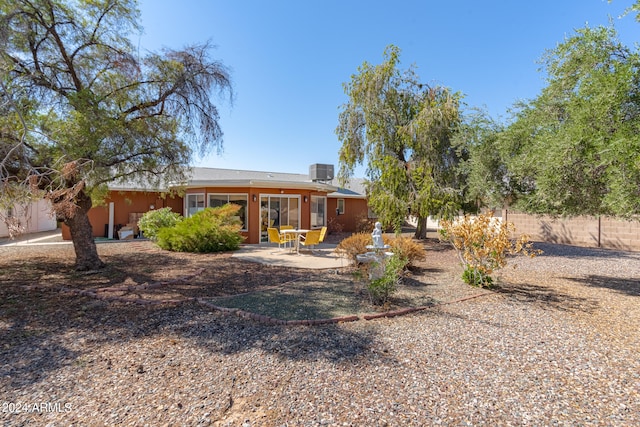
268,199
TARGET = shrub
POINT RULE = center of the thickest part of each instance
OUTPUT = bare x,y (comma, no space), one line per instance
210,230
483,244
355,245
380,289
364,224
151,222
408,249
334,226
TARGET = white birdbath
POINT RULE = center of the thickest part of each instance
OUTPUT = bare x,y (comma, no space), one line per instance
377,253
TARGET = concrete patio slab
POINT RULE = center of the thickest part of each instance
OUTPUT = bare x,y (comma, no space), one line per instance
323,257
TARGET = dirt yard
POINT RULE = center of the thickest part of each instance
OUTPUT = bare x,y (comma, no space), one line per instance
131,344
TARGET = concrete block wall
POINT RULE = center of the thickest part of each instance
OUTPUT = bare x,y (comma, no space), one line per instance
586,231
620,234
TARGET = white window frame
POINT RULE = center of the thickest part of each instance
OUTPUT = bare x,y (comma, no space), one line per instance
341,206
197,208
318,200
267,198
228,196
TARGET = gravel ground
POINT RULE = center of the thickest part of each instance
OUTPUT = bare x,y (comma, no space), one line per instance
556,344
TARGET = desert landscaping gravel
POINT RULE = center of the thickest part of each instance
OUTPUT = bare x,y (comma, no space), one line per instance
557,343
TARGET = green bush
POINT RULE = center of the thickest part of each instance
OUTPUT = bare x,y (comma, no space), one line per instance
381,289
210,230
151,222
475,278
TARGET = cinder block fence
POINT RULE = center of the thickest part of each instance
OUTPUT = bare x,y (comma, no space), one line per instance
603,232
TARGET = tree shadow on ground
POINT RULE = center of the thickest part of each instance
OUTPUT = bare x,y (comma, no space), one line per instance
568,251
546,297
625,286
417,284
424,271
436,245
230,335
412,293
27,349
43,329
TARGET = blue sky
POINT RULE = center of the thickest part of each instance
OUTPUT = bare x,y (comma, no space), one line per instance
289,59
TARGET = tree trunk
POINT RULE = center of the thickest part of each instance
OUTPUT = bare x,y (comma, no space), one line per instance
82,236
421,228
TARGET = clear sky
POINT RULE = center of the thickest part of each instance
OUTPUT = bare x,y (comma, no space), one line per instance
289,59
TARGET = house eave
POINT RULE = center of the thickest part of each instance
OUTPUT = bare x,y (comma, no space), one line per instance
120,188
337,195
254,183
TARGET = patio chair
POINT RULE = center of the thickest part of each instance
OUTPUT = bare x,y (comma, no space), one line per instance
323,233
311,239
276,237
289,237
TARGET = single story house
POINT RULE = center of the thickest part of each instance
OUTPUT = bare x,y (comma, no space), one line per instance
267,198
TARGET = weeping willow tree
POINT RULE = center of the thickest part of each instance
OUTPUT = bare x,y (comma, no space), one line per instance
403,129
82,107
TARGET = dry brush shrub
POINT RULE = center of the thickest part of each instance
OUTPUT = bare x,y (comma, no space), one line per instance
334,226
405,252
356,244
364,223
483,244
408,249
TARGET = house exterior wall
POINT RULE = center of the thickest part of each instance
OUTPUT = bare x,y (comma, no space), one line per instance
354,211
125,203
128,202
252,235
37,217
586,231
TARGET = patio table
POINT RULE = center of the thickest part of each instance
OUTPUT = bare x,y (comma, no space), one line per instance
297,233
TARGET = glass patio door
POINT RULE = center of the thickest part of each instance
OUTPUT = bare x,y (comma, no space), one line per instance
278,210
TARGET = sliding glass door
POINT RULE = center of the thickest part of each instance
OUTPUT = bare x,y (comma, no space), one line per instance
278,210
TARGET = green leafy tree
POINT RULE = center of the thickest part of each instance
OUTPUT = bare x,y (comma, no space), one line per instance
481,169
635,7
574,149
403,129
87,108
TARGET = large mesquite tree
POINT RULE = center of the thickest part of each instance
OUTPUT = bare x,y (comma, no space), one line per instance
403,129
83,107
574,150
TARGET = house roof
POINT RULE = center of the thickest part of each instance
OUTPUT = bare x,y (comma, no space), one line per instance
354,189
209,177
217,177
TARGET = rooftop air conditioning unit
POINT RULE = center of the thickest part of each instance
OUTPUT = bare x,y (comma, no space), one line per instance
320,172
